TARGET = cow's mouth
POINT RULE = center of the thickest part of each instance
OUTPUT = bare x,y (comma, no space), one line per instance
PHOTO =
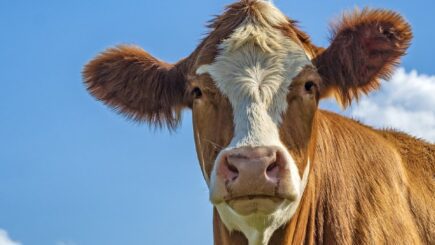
250,204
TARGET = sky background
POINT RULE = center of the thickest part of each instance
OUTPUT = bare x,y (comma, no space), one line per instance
72,172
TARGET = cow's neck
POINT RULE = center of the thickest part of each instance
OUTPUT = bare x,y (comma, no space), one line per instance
299,230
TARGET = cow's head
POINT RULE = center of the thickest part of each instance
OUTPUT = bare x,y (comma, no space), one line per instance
253,85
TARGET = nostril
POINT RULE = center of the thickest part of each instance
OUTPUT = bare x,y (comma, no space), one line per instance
232,168
272,171
233,172
272,167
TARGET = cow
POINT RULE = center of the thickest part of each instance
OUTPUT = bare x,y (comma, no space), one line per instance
279,169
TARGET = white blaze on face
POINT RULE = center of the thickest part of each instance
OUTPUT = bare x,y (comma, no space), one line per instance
254,69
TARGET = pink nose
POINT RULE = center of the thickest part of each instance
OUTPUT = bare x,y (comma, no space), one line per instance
246,163
249,172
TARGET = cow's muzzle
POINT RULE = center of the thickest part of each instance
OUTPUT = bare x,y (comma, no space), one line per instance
252,179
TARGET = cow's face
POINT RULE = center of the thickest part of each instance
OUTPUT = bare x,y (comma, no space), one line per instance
253,111
253,85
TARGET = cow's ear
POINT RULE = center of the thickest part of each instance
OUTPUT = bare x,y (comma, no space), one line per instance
365,47
137,85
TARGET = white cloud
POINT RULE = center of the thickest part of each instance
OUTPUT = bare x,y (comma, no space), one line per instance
5,239
406,102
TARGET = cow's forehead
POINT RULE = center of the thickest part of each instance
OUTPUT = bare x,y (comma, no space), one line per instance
258,45
253,68
257,56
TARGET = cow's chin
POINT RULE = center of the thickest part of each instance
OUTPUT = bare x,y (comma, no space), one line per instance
262,205
256,217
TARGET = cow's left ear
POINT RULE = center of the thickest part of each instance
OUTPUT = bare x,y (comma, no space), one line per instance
365,47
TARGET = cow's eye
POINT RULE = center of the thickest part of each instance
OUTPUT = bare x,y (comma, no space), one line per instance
196,93
310,86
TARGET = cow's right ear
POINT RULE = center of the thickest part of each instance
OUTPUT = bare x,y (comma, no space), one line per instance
137,85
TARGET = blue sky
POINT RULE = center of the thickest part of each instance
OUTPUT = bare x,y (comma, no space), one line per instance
74,172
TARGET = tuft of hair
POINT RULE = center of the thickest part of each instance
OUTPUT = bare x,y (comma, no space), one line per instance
366,45
137,85
257,12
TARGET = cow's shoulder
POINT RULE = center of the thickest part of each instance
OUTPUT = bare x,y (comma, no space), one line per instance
418,159
361,172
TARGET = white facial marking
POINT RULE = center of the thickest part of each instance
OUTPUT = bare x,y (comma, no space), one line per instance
254,69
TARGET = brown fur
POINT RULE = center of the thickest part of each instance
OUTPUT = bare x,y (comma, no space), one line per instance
378,195
365,47
137,85
365,186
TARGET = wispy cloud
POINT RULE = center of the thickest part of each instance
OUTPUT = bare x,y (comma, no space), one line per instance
6,240
406,103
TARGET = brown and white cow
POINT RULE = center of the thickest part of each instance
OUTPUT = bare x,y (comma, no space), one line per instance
279,170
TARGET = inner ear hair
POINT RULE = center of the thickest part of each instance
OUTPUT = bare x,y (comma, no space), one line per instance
365,47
